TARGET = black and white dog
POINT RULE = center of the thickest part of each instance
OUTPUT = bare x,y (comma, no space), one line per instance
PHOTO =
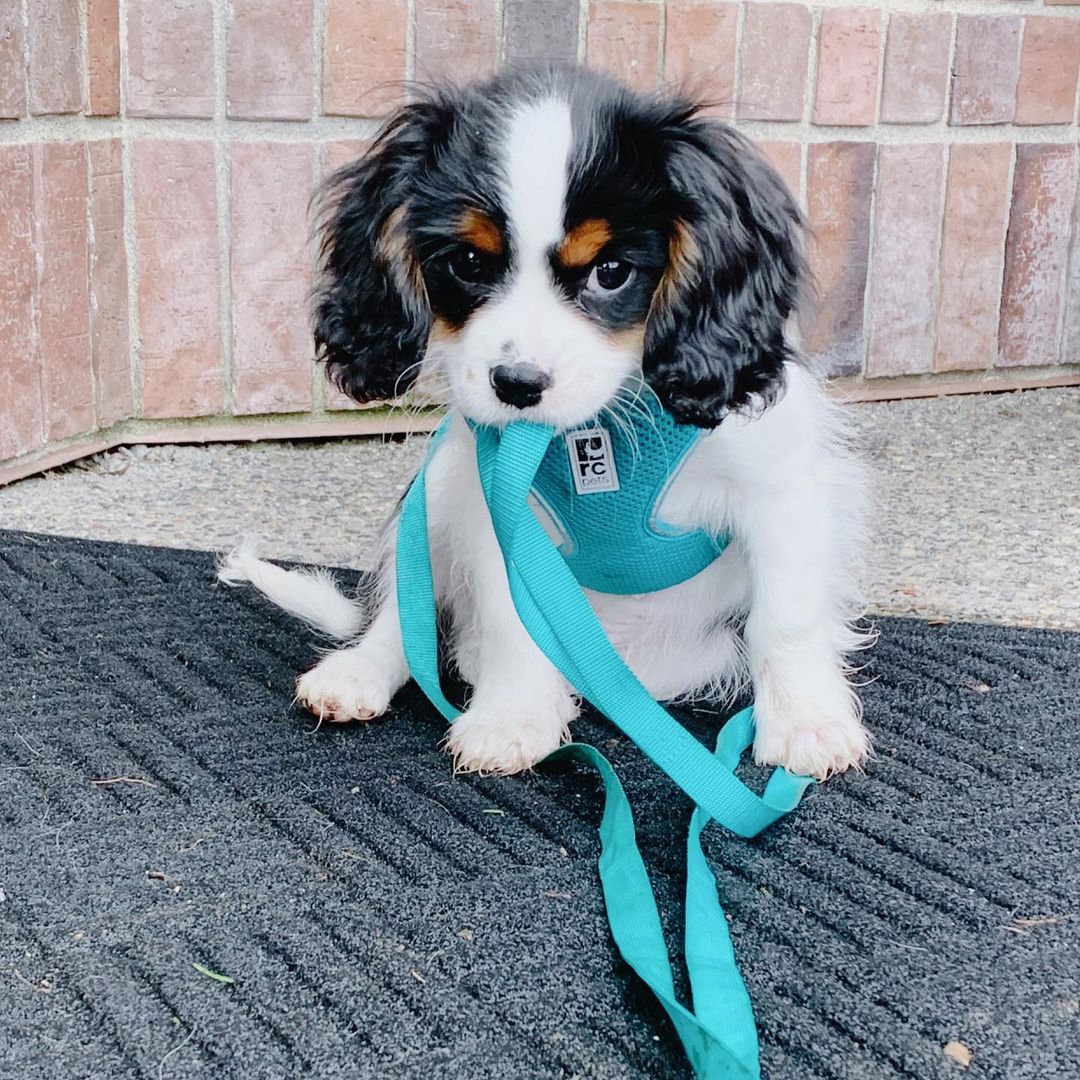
550,246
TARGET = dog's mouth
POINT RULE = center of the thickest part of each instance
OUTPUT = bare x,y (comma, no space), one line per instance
624,409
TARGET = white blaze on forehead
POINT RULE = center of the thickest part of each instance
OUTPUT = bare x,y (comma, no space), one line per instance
537,151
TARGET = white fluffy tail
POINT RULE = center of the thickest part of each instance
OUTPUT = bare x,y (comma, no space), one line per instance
311,595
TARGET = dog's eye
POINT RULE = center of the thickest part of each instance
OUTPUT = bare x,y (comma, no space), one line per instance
609,277
467,264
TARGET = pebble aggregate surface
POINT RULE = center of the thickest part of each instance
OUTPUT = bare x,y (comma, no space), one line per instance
977,502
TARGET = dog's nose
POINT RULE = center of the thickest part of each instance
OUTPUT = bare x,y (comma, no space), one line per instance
520,385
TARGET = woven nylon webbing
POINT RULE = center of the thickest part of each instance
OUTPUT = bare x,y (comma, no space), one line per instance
719,1034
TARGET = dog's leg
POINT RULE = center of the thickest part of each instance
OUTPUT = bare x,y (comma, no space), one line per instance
808,716
794,498
521,706
357,682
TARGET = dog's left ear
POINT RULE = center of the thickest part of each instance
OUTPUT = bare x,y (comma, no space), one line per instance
371,316
715,336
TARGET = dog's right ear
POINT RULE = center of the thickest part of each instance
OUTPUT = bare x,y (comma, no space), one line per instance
371,313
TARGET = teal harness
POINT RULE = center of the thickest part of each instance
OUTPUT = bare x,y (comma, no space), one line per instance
600,490
616,544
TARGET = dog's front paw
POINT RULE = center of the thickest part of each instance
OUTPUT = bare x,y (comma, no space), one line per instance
812,744
809,740
344,686
490,739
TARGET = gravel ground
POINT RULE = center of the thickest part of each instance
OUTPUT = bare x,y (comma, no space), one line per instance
978,502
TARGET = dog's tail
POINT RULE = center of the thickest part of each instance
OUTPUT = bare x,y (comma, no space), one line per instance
311,595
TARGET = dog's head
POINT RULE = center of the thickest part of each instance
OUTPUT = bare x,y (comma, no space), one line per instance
542,239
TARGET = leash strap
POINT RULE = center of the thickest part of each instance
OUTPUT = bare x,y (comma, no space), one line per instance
719,1036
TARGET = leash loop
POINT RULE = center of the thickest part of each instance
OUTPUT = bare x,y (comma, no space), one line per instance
719,1035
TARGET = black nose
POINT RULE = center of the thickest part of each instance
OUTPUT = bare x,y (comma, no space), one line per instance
520,385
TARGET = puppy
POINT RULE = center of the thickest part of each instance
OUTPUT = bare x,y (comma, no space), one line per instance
549,246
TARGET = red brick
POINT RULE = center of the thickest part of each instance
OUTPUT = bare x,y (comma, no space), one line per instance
270,60
1044,191
12,66
363,56
456,38
170,58
775,55
340,152
906,228
786,159
20,377
972,249
63,250
55,57
624,40
103,57
848,45
540,30
916,73
176,244
272,364
840,180
699,51
985,67
1049,66
110,347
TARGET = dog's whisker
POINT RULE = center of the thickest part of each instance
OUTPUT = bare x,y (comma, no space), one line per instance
636,405
615,410
618,420
404,375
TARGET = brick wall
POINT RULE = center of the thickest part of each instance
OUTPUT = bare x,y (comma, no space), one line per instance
156,157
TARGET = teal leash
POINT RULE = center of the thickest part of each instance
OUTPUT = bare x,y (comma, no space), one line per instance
719,1035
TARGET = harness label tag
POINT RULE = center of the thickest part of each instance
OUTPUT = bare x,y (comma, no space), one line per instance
592,462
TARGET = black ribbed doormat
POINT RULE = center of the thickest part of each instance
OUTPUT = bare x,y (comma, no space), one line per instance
163,806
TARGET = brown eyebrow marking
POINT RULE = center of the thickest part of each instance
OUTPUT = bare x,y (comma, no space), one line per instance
584,242
476,228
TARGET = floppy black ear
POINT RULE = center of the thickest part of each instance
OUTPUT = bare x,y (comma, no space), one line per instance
371,314
714,340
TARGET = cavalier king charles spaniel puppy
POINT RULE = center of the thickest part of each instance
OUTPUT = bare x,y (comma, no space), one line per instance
550,246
